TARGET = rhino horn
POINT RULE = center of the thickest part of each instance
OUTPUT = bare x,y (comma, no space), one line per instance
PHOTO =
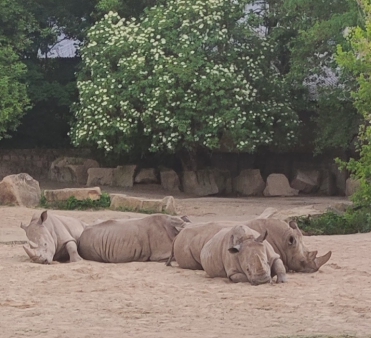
29,252
33,245
312,255
319,261
23,226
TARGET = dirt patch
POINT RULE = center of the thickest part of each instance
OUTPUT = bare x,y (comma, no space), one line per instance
89,299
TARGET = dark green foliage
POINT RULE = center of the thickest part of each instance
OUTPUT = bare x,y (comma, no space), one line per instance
73,204
330,223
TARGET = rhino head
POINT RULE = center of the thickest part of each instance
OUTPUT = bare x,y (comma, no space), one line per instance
41,243
298,257
252,255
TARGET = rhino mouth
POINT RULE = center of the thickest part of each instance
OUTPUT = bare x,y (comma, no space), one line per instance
31,252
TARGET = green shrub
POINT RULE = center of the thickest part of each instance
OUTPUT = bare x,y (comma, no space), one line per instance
330,223
74,204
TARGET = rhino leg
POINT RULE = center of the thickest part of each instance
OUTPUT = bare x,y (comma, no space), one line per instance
238,278
279,270
72,252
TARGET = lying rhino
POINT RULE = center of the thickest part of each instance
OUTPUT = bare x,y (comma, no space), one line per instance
242,255
140,239
52,237
287,241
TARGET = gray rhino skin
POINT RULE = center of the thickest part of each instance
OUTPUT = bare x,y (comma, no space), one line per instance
287,241
119,241
242,255
53,237
187,246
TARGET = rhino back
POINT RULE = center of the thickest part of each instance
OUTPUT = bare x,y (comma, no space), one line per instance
189,243
112,242
276,232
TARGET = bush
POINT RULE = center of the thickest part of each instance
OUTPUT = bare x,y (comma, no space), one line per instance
74,204
330,223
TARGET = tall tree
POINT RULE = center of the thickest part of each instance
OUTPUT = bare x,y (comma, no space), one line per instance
357,61
306,33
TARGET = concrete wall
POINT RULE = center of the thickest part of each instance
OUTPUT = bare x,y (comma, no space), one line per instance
35,162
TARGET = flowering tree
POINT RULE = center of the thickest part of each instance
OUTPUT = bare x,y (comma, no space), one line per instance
189,74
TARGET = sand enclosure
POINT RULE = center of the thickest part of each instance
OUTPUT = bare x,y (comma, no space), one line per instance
89,299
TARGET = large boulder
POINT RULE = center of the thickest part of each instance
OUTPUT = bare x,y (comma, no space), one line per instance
147,175
306,181
79,193
249,183
278,185
351,186
20,189
100,176
200,183
290,214
123,176
71,169
129,203
169,180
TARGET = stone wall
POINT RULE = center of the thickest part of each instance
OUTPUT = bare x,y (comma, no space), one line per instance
35,162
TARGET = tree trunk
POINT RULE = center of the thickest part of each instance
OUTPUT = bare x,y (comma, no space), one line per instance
188,159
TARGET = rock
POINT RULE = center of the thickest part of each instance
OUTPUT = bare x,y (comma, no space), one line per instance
170,180
278,185
129,203
306,181
339,208
200,183
152,206
328,184
20,189
289,214
100,176
79,193
124,202
123,176
71,169
249,183
168,205
147,175
351,186
223,180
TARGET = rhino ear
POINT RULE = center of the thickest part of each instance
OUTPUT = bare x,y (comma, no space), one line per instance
185,219
43,217
262,237
293,225
234,249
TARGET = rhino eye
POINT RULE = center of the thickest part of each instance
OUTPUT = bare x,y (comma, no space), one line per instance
291,240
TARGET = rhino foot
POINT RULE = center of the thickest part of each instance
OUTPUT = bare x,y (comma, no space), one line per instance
281,278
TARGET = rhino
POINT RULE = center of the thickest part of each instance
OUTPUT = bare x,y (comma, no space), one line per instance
287,240
126,240
53,237
242,255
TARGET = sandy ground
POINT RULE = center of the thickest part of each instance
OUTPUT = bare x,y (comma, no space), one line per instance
89,299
